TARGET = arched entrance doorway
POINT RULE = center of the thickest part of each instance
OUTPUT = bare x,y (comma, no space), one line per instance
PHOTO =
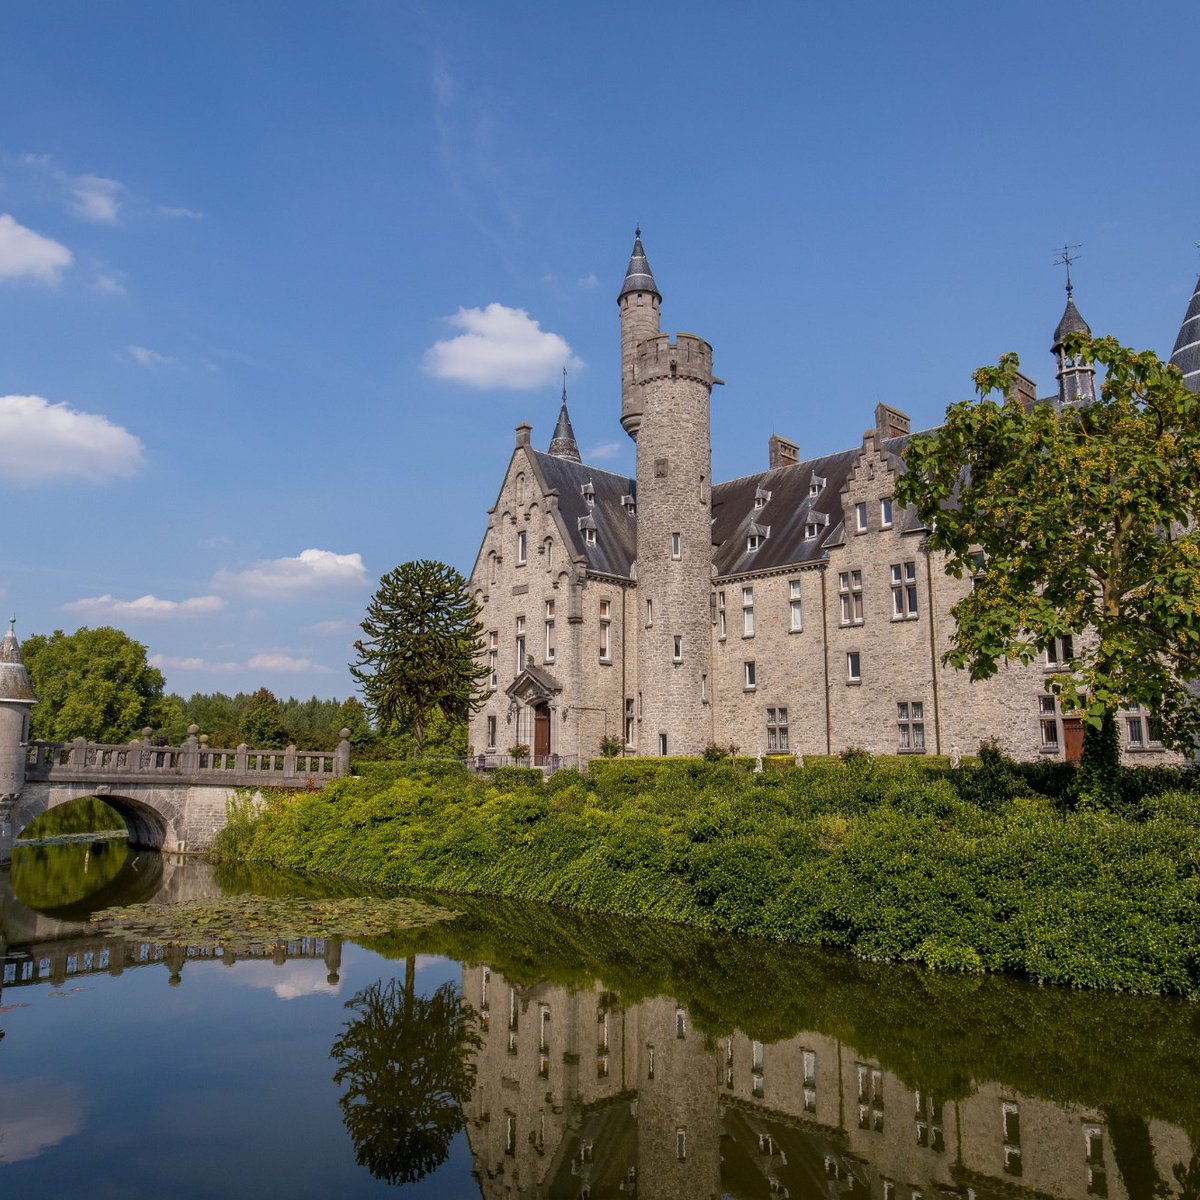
534,694
541,733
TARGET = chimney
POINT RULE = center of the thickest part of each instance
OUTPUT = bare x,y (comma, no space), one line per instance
781,452
1024,390
891,422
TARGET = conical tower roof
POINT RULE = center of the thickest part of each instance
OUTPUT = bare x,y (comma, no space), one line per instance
15,684
1186,355
639,278
1071,322
563,444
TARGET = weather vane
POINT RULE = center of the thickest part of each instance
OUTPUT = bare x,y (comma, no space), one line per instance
564,385
1065,259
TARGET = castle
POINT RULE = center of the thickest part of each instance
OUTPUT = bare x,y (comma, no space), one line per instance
793,611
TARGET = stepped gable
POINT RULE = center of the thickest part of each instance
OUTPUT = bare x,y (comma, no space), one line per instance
616,529
1186,355
789,509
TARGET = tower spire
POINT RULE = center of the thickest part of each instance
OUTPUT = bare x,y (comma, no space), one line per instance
1186,355
1076,379
638,276
563,444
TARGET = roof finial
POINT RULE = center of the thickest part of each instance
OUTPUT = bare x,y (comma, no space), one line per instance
1066,258
564,385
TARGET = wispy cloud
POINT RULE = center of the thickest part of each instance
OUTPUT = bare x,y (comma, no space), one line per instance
145,606
25,253
95,198
589,281
186,214
500,348
107,284
310,571
169,662
46,442
332,628
277,660
603,450
146,357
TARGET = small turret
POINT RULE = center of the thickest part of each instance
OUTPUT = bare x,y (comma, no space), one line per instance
639,300
1076,379
16,699
563,444
1186,355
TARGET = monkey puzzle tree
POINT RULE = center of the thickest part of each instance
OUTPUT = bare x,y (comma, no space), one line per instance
421,650
1079,523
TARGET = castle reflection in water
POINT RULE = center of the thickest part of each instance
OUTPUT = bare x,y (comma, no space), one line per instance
579,1098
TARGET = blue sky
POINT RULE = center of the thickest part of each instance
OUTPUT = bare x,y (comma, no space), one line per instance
278,279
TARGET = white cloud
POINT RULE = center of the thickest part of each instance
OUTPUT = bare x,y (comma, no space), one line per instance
276,660
146,357
44,442
603,450
95,198
589,281
108,285
324,628
145,606
309,571
170,662
23,252
188,214
289,981
500,348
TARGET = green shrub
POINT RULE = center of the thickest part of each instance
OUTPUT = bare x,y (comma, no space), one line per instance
508,779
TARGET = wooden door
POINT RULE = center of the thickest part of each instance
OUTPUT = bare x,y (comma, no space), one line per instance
1073,738
541,733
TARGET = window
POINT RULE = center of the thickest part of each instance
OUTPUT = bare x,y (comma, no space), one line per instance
1011,1117
815,484
761,496
722,630
747,612
1049,721
605,624
629,721
810,1081
589,493
1142,729
520,644
749,675
930,1132
910,718
522,548
754,541
680,1022
1060,652
811,529
627,503
681,1144
777,729
589,536
676,544
885,513
795,609
850,594
853,667
703,689
904,591
677,648
491,733
870,1097
1093,1142
493,656
860,517
649,613
549,631
493,558
521,488
662,745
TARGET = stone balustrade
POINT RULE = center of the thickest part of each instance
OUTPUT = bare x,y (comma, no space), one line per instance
194,762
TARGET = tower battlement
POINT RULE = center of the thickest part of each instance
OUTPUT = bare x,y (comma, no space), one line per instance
687,357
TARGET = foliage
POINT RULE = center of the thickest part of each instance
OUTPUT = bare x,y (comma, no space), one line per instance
963,869
93,683
1075,523
715,753
420,653
519,751
406,1061
56,879
261,722
88,814
611,747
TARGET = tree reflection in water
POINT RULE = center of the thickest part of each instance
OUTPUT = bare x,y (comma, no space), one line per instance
408,1064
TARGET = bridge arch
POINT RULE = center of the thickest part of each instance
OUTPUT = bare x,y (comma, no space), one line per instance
153,822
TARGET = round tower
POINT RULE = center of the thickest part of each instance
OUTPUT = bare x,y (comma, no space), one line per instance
667,396
639,302
1076,378
16,700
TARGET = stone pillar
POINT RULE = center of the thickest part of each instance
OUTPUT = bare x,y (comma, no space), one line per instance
341,756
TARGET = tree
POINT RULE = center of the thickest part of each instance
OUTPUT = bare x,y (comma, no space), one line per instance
421,650
261,723
93,683
1075,524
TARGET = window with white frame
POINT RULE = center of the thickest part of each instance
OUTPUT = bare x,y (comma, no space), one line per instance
885,513
549,631
754,541
749,675
522,547
722,629
850,596
1141,729
589,536
629,721
853,666
795,608
747,612
1010,1116
677,647
1048,716
860,517
493,657
777,729
910,720
811,530
761,496
520,644
815,484
605,631
491,733
904,590
676,545
1060,652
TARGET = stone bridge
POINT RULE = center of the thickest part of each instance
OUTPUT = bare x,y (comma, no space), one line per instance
171,798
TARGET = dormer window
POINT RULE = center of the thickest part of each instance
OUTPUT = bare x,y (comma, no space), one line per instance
816,484
587,526
628,505
589,493
758,534
754,541
815,523
761,496
589,537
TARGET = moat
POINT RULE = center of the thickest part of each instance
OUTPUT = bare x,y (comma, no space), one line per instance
520,1051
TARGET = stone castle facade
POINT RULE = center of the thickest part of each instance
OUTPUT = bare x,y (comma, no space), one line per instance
794,611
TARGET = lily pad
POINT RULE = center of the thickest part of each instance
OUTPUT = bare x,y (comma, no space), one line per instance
247,923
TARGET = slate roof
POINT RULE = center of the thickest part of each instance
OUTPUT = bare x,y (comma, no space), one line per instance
638,276
616,529
15,683
1071,322
1186,355
563,444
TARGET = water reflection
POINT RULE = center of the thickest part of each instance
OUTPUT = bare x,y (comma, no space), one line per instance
406,1061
